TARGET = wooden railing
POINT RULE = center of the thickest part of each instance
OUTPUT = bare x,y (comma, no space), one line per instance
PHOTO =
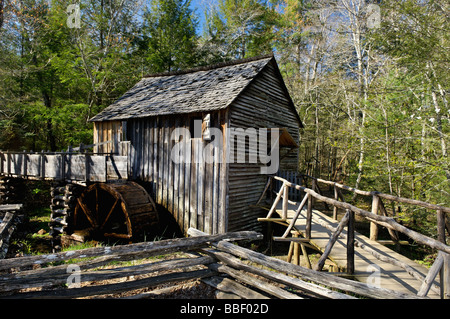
379,207
348,221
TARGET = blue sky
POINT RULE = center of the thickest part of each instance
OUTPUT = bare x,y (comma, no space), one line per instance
198,6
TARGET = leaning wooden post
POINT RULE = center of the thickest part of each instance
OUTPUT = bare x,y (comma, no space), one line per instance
309,217
351,242
334,237
374,226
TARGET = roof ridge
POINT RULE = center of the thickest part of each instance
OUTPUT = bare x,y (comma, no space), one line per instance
212,66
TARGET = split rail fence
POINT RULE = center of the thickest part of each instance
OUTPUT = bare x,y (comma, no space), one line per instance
234,271
441,264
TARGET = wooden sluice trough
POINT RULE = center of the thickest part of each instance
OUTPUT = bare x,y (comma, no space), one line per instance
64,166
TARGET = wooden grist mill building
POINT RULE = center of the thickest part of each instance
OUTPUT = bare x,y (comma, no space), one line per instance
214,196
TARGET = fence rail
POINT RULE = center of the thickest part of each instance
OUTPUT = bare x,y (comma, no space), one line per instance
233,270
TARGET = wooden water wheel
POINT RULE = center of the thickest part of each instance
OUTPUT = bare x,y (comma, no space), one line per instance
119,210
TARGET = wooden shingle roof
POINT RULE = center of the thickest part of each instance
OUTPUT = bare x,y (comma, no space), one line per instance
196,90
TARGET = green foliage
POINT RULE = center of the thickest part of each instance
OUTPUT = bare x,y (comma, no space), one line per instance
169,34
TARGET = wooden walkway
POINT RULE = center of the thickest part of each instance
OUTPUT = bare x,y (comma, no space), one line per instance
367,267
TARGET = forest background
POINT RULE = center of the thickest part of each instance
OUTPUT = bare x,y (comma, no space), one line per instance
369,78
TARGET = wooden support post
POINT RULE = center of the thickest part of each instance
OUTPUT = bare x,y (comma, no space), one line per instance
446,277
373,226
445,270
351,242
305,255
335,209
296,250
309,217
285,202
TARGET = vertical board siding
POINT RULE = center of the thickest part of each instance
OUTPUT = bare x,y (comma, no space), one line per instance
264,104
191,192
107,131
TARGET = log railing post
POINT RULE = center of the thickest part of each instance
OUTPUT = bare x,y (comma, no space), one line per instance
351,242
285,202
445,270
309,217
374,226
335,209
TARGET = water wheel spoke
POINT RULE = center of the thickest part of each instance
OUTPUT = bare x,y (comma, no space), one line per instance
89,215
109,213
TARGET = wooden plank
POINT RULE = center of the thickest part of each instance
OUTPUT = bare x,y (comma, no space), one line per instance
194,185
208,185
200,185
176,181
216,181
170,164
97,168
223,210
187,182
117,167
151,150
165,158
160,161
181,180
155,157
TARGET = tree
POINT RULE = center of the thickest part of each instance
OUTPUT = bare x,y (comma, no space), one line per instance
169,35
241,28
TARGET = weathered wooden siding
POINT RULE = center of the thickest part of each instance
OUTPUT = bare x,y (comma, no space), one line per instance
108,131
263,104
195,193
